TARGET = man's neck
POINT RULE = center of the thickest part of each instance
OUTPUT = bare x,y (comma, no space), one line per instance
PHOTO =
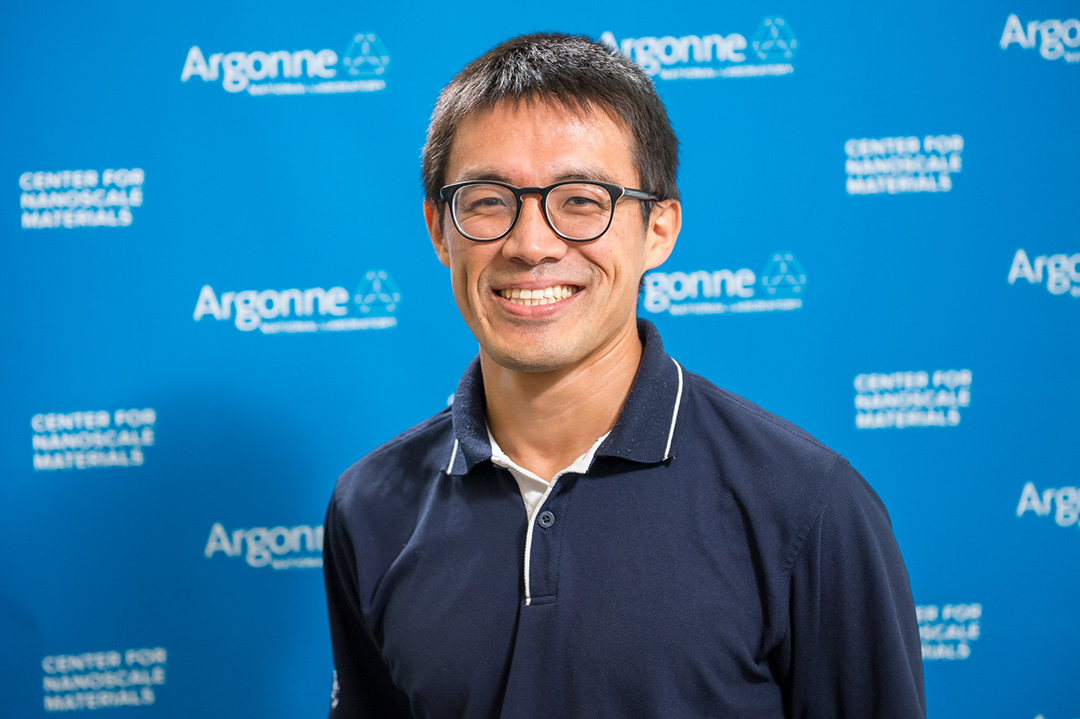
545,420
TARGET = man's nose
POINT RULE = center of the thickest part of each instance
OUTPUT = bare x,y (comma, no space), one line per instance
532,240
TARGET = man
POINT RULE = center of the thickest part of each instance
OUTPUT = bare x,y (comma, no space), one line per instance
591,530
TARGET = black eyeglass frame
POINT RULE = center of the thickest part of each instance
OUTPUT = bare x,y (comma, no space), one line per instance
617,192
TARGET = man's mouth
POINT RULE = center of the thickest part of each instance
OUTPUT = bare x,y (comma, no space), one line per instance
540,296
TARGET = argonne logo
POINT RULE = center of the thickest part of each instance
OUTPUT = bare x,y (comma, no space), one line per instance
377,294
261,546
774,41
1062,272
1062,502
1051,36
782,282
294,73
783,275
293,311
697,57
366,56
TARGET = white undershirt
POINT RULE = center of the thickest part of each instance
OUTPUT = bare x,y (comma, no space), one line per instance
534,490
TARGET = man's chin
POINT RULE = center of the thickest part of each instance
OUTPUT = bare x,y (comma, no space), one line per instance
533,359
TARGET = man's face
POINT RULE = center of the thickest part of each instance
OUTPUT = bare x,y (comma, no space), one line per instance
539,144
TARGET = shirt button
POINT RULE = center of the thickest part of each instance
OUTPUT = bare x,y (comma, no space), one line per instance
546,519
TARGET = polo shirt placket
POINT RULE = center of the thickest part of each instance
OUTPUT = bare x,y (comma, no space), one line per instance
540,514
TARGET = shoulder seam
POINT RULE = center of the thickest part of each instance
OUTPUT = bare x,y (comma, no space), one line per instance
817,508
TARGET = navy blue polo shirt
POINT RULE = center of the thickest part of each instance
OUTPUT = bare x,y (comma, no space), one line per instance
714,561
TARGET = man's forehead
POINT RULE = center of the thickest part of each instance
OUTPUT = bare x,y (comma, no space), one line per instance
571,108
558,119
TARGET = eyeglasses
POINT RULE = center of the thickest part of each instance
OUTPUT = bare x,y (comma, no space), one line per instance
485,211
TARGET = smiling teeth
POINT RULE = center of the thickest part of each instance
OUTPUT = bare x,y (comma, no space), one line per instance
545,296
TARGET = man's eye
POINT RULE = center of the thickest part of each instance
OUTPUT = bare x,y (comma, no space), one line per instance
581,205
485,204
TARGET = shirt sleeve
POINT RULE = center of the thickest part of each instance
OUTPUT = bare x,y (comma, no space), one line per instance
362,683
852,648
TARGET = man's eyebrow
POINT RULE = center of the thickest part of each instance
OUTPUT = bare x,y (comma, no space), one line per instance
584,173
483,173
575,173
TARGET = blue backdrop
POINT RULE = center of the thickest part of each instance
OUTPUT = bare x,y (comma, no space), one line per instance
219,294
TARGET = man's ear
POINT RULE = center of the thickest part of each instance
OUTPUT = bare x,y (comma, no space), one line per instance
664,225
433,219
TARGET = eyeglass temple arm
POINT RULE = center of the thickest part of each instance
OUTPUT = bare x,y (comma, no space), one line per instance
639,195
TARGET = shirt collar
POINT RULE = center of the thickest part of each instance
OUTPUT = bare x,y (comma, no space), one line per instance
578,466
646,431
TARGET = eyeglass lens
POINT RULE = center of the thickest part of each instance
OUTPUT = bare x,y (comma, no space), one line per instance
580,211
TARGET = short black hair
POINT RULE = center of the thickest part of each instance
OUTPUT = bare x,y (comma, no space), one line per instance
572,70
